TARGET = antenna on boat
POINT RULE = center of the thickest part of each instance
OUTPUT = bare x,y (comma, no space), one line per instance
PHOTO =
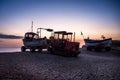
82,34
32,27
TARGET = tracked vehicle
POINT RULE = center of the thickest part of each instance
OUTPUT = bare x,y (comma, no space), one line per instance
62,44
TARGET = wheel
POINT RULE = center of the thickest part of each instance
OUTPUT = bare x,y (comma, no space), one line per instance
40,50
73,54
89,48
23,49
51,49
98,49
32,49
69,53
107,48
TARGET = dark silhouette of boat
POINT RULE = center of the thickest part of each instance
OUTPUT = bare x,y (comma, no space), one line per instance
98,44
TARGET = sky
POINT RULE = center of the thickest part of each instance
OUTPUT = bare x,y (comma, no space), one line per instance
91,17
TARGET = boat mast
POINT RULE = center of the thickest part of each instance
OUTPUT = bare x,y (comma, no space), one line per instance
32,27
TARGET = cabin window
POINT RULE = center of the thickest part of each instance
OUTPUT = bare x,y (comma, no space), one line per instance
56,36
60,36
26,35
30,36
35,36
70,37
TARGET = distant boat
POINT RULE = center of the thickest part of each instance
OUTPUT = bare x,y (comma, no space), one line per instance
98,44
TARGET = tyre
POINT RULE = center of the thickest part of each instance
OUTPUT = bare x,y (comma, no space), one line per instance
107,48
32,49
75,55
51,50
23,49
98,49
40,50
89,48
67,53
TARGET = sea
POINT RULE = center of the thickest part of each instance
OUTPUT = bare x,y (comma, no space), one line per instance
13,49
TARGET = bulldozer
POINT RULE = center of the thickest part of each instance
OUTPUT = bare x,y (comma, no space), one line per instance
62,44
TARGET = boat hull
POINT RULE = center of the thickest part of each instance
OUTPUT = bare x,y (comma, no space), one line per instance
98,44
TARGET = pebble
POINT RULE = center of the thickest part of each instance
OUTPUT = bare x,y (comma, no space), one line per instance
38,66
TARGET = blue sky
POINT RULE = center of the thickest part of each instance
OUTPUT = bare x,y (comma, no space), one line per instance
93,17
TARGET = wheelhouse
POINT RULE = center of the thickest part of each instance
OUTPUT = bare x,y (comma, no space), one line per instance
63,35
31,35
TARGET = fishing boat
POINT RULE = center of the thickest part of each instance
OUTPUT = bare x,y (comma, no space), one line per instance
34,41
98,45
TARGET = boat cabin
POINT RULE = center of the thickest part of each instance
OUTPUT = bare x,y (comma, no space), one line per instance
63,35
31,35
